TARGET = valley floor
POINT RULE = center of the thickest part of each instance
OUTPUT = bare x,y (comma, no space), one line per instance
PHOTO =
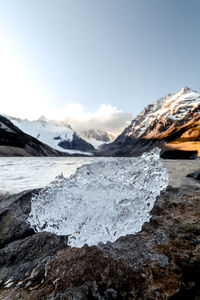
179,168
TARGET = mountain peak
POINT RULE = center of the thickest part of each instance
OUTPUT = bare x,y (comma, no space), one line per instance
185,90
42,118
166,112
172,120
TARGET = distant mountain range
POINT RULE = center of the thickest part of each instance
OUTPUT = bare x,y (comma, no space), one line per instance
172,122
96,137
14,142
56,136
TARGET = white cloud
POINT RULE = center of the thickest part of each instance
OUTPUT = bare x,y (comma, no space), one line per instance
106,118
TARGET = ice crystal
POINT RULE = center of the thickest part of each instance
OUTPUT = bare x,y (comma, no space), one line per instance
101,201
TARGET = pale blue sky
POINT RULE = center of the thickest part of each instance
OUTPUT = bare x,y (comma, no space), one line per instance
126,53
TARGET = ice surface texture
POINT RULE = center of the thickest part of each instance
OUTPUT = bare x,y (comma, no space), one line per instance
101,201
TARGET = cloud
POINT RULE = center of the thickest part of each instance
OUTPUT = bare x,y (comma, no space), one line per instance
106,117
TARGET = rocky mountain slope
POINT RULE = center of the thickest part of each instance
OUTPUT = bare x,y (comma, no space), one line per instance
172,121
14,142
58,135
96,137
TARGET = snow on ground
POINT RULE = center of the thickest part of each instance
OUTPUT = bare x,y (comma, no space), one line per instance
76,152
44,131
48,132
96,137
96,143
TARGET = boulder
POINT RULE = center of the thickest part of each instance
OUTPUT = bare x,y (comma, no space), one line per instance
195,175
162,261
21,249
179,154
14,211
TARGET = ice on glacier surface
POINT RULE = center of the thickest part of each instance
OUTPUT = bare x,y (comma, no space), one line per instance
101,201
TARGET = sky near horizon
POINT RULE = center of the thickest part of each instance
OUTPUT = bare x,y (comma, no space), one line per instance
96,61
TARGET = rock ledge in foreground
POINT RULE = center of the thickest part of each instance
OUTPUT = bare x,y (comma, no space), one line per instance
160,262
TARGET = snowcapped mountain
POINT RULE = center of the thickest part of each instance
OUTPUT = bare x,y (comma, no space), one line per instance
96,137
172,120
156,119
14,142
55,134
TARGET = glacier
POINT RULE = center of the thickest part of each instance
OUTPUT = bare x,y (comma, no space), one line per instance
101,201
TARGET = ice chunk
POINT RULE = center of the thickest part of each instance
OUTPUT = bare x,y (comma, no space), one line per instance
101,201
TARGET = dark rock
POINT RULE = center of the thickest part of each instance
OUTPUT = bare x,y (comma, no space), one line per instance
179,154
195,175
21,250
130,146
162,261
14,211
77,143
20,257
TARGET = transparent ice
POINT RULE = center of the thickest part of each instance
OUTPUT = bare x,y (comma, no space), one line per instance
101,201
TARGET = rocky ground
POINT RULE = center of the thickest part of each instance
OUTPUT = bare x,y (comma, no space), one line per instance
160,262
